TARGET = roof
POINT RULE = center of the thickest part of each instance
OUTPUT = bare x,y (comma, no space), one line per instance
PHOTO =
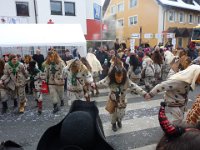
41,35
25,35
180,4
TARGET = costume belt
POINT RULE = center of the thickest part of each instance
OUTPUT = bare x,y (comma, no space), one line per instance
75,91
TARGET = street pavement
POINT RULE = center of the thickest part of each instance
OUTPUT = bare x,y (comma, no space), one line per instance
140,130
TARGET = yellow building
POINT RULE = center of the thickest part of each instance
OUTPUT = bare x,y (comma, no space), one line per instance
154,21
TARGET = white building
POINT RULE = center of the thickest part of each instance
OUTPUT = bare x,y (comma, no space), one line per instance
46,11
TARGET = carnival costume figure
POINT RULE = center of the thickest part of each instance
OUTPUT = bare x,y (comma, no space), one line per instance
30,84
14,81
78,77
54,66
148,72
118,83
134,71
36,77
96,67
176,90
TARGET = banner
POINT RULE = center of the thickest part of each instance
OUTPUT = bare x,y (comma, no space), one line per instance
13,20
97,11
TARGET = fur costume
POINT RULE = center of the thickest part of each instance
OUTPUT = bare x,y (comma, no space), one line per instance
193,116
54,66
77,81
14,80
117,94
176,90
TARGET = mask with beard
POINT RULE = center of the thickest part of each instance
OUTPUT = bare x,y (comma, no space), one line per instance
75,67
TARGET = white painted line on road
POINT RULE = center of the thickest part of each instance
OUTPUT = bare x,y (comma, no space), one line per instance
149,147
132,125
133,106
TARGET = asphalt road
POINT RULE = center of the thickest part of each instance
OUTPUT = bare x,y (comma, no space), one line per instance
140,127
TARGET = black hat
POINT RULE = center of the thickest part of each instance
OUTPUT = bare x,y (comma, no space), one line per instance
81,129
10,145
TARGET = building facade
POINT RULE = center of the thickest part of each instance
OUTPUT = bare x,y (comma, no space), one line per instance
154,21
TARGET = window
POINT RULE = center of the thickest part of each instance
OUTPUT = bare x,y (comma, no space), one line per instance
113,10
180,42
198,20
120,23
56,8
171,16
175,16
22,8
133,20
181,17
190,18
120,7
70,9
133,3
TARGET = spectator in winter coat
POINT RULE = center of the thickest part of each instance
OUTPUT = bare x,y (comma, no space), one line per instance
39,58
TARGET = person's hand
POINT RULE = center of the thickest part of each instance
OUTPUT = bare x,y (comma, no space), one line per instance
93,85
147,96
1,82
112,96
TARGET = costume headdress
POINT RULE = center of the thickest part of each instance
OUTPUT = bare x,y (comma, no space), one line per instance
189,75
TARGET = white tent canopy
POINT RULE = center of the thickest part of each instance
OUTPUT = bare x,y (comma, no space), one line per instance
21,35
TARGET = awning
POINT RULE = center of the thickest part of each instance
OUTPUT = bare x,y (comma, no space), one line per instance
20,35
174,30
184,32
180,32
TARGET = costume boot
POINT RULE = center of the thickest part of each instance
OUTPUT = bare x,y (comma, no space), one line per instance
15,103
114,127
4,107
21,107
119,124
55,108
36,100
97,90
62,103
39,107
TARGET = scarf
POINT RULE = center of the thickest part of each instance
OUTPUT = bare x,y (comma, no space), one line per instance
53,67
14,67
73,79
189,75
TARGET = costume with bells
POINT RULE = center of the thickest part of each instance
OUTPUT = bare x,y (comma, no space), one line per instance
176,90
78,77
81,129
14,80
118,83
